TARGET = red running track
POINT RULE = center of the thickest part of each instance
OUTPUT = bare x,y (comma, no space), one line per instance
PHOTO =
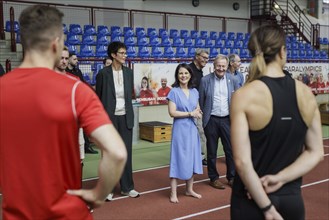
214,204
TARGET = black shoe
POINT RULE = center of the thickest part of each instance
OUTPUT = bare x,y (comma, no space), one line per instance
90,150
204,162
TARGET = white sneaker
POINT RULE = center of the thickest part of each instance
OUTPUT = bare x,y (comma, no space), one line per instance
109,197
132,193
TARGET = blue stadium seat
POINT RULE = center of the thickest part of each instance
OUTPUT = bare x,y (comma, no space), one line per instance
229,44
224,51
165,41
204,34
115,38
208,42
323,54
302,54
177,42
325,41
288,45
116,31
88,39
140,31
191,52
244,53
173,33
294,54
213,35
152,32
72,48
101,50
131,52
16,26
168,52
231,36
163,32
309,54
86,77
222,35
89,29
235,51
239,36
142,41
154,41
301,46
129,41
183,33
102,39
75,29
289,54
188,42
180,52
73,39
143,52
65,30
103,30
316,54
156,52
238,44
219,43
308,46
128,33
125,29
198,42
194,34
86,51
213,52
294,45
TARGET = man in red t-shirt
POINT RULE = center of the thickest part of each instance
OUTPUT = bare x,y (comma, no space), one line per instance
41,112
163,92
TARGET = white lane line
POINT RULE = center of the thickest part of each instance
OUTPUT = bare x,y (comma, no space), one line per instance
227,206
203,212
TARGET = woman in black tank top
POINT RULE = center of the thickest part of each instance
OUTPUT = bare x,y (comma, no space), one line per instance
276,134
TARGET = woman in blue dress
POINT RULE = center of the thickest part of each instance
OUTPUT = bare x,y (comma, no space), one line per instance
185,156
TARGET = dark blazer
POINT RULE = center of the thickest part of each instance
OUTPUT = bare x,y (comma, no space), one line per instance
206,93
106,92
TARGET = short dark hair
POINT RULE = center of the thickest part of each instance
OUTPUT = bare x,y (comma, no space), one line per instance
106,58
72,53
190,82
39,25
114,48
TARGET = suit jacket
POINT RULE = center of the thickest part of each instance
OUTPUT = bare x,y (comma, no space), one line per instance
206,92
106,92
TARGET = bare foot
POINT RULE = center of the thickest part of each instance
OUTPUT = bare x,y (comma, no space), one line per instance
193,194
173,198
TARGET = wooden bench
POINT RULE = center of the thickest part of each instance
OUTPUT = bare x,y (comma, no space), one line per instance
155,131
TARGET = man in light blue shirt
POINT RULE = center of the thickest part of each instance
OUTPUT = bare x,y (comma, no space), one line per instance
233,68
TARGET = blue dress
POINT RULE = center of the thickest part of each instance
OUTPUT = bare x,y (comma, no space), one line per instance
185,155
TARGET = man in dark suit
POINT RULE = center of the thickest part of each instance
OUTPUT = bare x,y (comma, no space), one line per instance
114,87
215,97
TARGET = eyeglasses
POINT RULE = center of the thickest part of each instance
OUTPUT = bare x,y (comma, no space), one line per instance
122,53
204,57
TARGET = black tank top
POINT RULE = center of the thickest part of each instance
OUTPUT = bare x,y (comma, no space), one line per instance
281,141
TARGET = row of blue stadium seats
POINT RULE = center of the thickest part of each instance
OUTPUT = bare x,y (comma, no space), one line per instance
155,41
154,52
323,41
307,54
151,32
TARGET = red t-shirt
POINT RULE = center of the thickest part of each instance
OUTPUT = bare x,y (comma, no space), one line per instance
162,95
41,112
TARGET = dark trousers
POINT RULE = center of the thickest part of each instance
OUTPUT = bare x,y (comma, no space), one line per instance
219,127
289,207
126,181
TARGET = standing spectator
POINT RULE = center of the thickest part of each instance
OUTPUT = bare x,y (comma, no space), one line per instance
114,87
185,156
107,61
215,97
273,145
2,71
72,67
163,91
200,60
39,161
233,68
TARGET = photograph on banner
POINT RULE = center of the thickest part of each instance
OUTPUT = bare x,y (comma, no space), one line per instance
152,82
315,75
